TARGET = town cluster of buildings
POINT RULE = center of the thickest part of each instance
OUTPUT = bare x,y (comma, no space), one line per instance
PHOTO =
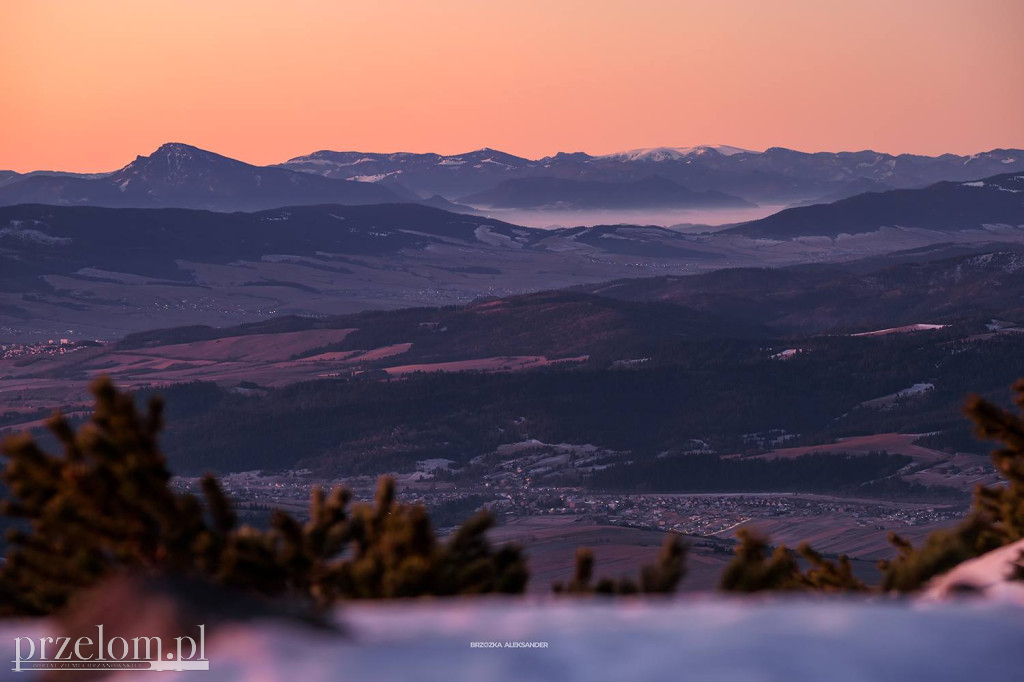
58,346
699,514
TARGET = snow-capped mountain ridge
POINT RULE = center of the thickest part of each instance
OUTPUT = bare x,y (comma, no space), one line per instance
181,175
657,154
776,175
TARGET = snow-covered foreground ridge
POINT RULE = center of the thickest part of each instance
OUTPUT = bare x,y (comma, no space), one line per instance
706,639
986,576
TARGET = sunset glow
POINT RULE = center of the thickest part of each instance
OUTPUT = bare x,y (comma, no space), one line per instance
89,85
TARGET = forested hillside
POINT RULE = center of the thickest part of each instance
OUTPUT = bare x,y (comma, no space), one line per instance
711,391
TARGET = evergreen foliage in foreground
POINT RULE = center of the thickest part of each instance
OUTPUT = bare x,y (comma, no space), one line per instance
996,519
752,570
997,513
106,505
661,577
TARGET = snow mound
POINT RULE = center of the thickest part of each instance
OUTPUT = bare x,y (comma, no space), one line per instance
987,576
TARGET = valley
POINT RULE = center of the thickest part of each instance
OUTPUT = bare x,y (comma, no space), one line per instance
625,530
509,342
800,373
696,404
97,274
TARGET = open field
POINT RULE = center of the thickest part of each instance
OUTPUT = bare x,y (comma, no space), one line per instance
962,471
269,360
895,443
863,539
497,364
551,543
105,304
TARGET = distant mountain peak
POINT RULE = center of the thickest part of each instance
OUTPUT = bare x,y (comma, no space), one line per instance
175,159
184,176
175,162
489,153
177,148
659,154
186,152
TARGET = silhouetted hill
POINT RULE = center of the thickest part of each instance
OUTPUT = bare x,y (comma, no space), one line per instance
555,324
46,240
181,176
855,296
944,206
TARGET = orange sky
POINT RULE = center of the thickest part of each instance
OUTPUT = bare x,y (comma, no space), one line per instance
88,85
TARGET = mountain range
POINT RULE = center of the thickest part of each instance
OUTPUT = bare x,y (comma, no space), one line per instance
100,272
39,239
181,176
774,176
